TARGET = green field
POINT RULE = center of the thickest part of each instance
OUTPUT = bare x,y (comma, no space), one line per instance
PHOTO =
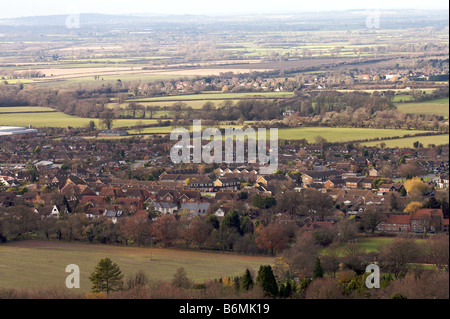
16,109
339,134
370,244
58,119
31,264
195,104
409,141
438,107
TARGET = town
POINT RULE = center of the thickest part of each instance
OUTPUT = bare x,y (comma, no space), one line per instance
268,157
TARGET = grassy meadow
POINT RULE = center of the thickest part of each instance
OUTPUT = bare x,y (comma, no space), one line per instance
42,264
438,107
57,119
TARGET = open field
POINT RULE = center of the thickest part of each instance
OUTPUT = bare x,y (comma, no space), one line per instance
24,109
339,134
195,104
42,264
409,141
57,119
426,91
370,244
438,107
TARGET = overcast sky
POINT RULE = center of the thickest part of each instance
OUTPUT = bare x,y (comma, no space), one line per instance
11,9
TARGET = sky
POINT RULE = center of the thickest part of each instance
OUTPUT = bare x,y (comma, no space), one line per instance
21,8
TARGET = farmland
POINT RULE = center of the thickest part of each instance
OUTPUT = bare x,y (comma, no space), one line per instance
408,142
42,264
57,119
438,107
331,134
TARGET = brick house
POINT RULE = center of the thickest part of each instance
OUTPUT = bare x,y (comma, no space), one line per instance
395,223
427,220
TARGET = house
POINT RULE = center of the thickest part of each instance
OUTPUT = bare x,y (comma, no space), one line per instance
427,220
393,187
222,211
353,182
271,180
335,183
113,215
164,207
443,181
230,183
112,193
189,196
201,183
310,177
366,183
195,208
395,223
226,197
7,199
168,196
50,211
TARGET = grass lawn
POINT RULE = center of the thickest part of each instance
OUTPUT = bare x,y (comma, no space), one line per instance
438,107
42,264
409,141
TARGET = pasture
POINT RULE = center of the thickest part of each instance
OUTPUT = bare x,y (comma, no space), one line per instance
57,119
437,107
31,264
25,109
339,134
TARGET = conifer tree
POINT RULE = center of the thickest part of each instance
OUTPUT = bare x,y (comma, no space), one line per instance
106,277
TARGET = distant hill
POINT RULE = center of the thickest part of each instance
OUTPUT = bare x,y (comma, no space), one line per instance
307,21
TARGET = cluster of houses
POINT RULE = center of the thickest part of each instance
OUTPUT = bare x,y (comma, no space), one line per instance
98,187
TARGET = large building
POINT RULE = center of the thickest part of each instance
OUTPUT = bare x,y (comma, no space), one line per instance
12,132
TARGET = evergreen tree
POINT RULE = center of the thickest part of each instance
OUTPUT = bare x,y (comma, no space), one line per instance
288,290
247,280
318,270
267,281
106,277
